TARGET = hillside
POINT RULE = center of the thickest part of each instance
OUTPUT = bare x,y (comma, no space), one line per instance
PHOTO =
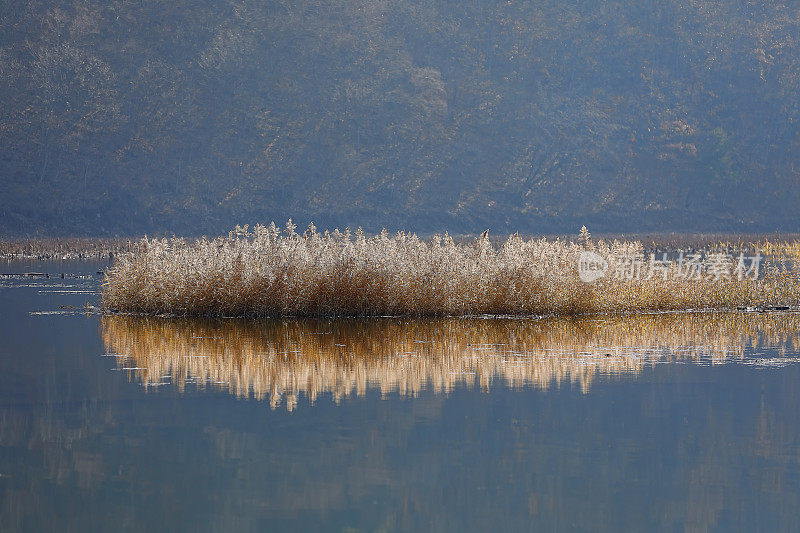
124,117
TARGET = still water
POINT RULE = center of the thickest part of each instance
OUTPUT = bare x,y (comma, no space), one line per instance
665,422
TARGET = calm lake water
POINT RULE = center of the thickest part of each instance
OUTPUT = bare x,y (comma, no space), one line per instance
667,422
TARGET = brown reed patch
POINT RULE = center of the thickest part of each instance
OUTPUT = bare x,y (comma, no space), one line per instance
266,272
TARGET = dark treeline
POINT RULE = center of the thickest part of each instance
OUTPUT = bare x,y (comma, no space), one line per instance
132,116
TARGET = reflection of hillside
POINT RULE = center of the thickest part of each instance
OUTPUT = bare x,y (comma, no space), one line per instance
284,358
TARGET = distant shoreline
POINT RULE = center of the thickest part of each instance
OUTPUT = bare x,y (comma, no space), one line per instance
56,249
106,248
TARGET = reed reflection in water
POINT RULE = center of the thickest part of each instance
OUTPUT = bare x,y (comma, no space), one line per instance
281,359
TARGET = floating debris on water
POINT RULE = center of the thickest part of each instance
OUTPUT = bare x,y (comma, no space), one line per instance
771,362
69,312
47,291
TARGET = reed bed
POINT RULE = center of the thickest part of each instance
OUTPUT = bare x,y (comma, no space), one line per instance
268,272
281,360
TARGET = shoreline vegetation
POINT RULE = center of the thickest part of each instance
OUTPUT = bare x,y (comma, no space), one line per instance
55,249
106,248
268,272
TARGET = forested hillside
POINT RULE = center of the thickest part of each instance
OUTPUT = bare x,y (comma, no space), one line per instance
132,116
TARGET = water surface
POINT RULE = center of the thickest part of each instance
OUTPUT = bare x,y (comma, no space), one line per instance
664,422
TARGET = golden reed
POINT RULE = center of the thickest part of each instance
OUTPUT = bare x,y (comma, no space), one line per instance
266,272
281,359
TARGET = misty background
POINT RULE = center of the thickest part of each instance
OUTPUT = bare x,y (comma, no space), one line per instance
133,116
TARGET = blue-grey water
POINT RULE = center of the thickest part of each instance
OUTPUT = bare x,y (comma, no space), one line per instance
679,422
